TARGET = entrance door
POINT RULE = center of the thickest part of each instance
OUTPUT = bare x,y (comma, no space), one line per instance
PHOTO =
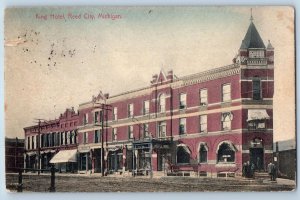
257,157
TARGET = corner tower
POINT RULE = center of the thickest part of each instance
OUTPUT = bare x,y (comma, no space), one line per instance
257,88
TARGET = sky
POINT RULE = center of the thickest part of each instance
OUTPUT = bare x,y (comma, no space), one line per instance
54,64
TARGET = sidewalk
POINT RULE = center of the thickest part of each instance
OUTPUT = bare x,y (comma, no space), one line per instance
282,181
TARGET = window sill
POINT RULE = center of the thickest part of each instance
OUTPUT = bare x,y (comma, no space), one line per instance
226,164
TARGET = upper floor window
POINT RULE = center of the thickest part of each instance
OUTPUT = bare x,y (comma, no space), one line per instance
130,110
256,54
257,125
130,132
97,136
28,142
32,142
162,103
203,97
182,126
146,106
256,86
146,130
203,123
115,113
226,92
85,118
226,120
162,129
85,137
96,117
182,101
114,134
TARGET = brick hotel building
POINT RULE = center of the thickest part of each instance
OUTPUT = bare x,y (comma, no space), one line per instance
210,122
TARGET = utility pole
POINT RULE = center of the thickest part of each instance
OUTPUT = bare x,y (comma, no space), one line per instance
104,108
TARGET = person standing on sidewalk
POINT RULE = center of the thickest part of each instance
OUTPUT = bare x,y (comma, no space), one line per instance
270,166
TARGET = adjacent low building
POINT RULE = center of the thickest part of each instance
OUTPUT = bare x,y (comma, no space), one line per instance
14,150
209,123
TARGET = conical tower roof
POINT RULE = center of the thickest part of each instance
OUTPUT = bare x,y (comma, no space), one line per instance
252,38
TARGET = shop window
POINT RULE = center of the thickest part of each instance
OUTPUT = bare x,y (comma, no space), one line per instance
183,155
226,153
203,153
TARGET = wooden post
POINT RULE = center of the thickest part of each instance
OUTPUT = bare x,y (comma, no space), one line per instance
20,184
52,186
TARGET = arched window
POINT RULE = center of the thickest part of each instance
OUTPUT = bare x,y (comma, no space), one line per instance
162,103
183,154
226,152
203,153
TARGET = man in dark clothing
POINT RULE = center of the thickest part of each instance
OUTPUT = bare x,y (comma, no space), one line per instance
274,172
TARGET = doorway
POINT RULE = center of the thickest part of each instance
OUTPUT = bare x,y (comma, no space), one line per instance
257,157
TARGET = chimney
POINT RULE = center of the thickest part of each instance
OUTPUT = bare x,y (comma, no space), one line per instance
154,78
106,95
170,75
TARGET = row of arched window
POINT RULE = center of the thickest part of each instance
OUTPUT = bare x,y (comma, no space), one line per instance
225,153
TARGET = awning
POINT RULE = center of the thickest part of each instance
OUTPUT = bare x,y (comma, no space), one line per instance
64,156
257,114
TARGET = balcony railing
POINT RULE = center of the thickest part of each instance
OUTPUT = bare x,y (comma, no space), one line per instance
257,61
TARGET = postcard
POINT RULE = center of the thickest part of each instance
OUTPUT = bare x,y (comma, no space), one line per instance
150,99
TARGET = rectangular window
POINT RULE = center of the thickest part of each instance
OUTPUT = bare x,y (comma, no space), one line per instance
37,141
257,125
130,110
226,121
182,126
130,132
96,117
28,142
182,101
97,136
203,123
32,142
226,92
114,134
162,129
203,97
146,106
67,137
256,89
85,137
58,139
85,118
257,54
115,113
146,130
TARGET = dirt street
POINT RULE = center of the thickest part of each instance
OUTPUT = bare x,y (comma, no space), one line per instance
76,183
